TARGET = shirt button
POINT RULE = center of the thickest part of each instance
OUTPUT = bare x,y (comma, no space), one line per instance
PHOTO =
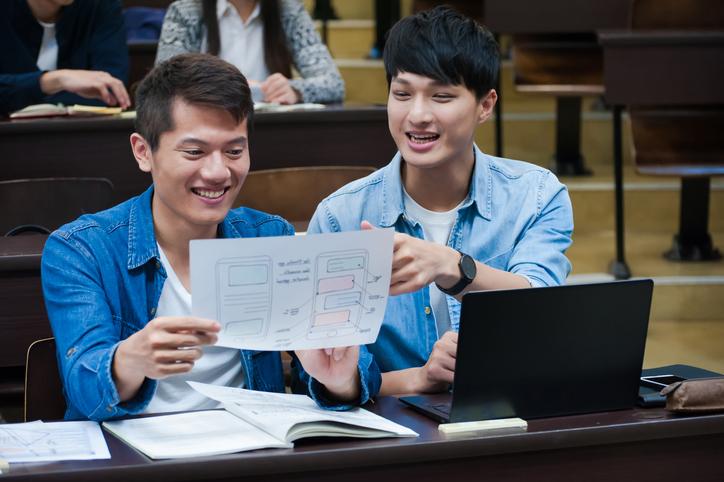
70,352
428,310
158,264
109,408
153,311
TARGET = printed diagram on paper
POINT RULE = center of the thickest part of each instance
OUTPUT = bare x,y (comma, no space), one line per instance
340,284
288,293
38,441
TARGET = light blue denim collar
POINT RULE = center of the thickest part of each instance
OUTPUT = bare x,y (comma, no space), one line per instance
481,189
142,246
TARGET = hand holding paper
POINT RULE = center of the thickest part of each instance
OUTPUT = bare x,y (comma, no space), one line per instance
335,368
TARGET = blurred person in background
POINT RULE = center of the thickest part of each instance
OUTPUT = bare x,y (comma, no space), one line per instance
62,51
264,39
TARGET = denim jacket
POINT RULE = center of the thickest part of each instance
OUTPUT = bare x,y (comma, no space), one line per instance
517,217
102,279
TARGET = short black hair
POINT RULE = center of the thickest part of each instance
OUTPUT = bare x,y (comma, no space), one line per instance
197,79
444,45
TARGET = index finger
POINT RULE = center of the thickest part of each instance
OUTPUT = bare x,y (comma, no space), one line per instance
189,323
269,81
119,90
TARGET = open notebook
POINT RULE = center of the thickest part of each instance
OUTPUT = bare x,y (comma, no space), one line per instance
55,110
252,420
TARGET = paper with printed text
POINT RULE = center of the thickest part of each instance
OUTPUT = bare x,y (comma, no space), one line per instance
293,292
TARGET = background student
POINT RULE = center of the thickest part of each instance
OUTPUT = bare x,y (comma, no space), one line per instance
263,38
117,283
67,51
464,220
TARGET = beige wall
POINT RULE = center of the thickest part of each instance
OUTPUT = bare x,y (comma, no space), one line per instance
358,9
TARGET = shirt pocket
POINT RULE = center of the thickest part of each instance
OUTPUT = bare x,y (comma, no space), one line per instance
500,261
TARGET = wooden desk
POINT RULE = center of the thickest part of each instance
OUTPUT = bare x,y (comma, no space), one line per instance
555,16
640,444
559,44
100,147
662,68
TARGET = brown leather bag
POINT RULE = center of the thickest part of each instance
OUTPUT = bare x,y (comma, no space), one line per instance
699,395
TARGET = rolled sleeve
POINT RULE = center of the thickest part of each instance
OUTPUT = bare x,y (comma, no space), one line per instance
86,333
370,383
540,254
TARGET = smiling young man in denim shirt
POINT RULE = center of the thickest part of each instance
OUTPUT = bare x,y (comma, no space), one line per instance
116,283
464,220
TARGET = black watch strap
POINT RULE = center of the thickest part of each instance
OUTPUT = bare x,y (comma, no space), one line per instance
468,271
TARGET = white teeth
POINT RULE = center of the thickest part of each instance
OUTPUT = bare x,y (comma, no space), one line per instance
209,194
424,138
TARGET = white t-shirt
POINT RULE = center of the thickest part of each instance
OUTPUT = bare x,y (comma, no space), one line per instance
436,227
48,54
242,43
218,366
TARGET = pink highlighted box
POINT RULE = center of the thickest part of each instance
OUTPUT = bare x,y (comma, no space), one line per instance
332,318
339,283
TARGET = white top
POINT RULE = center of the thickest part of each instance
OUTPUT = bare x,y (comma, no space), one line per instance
218,366
241,43
436,227
48,54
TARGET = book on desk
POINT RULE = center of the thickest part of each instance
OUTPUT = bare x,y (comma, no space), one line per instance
60,110
251,420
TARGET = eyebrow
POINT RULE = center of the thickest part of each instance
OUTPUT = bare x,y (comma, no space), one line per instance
195,140
433,83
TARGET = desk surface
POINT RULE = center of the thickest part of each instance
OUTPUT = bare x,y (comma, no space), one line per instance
100,147
646,68
330,114
639,444
555,16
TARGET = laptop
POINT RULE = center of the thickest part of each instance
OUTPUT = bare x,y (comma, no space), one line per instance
544,352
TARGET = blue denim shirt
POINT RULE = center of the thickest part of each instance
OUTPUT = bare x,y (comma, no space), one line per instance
102,279
517,218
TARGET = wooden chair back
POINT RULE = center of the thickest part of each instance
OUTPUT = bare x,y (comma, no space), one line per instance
44,398
294,192
557,64
678,142
42,205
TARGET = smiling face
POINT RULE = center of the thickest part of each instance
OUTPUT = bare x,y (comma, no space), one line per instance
197,169
432,123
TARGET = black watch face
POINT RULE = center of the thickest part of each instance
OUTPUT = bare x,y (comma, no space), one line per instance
467,264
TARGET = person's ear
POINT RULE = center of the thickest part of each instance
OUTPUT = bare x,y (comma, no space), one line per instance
142,152
486,106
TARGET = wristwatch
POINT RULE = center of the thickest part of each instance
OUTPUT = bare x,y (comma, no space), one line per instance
468,270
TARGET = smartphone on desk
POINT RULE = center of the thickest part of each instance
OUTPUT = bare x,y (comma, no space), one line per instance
658,382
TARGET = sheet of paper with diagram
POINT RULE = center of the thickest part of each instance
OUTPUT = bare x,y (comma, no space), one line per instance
43,442
293,292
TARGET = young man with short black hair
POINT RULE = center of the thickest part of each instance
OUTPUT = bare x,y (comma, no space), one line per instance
464,220
117,283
